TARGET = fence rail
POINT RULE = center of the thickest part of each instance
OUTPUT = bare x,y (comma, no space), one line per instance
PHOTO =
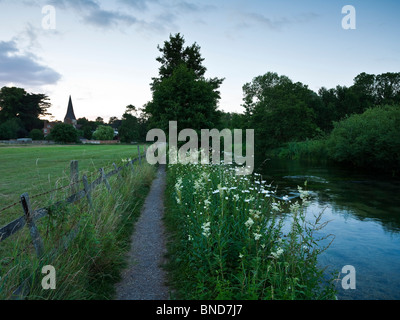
31,216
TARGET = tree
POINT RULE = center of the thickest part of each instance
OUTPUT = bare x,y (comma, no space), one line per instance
16,103
129,130
181,92
103,133
10,129
87,127
99,121
388,88
182,97
370,139
232,120
367,91
279,110
36,134
65,133
174,54
114,122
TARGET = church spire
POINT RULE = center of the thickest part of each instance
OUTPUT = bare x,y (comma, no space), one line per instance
70,116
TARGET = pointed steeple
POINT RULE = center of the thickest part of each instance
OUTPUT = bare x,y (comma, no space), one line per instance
70,116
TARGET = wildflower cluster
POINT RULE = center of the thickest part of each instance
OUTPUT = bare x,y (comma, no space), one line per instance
232,244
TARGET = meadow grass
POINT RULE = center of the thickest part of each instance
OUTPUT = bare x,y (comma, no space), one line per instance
227,238
88,266
38,169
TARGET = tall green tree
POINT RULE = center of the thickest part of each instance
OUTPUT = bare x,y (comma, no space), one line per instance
174,53
367,91
181,92
279,110
129,131
16,103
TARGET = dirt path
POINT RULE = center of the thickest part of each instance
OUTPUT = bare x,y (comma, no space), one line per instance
144,279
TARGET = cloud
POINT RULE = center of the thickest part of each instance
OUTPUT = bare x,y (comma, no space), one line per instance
94,14
23,67
162,16
276,24
104,18
138,4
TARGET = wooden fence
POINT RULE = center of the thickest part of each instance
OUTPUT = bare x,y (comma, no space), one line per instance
31,216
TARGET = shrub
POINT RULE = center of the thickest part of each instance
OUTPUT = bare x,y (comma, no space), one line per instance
371,139
103,133
36,134
65,133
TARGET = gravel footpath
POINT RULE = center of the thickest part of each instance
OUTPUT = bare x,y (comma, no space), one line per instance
145,279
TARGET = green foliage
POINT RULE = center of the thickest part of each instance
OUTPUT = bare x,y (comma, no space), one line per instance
232,120
10,129
88,265
132,128
367,91
308,149
175,54
103,133
16,103
87,127
279,110
36,134
371,139
183,98
228,240
64,133
181,93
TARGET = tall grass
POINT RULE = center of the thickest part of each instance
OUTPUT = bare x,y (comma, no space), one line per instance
309,149
88,266
228,239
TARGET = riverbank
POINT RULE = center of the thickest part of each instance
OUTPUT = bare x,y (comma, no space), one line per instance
370,140
227,239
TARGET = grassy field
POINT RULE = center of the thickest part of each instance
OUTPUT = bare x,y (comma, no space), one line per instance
92,262
38,169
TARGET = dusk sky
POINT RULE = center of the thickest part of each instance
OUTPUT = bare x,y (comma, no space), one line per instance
103,53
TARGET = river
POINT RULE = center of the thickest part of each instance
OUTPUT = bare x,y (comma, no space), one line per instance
363,210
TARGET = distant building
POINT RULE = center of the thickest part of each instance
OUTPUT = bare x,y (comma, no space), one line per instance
69,118
48,126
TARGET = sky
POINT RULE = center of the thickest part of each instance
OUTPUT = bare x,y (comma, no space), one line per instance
103,53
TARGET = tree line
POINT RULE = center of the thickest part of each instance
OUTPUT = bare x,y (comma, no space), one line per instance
277,108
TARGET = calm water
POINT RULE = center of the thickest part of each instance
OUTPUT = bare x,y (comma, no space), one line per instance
364,210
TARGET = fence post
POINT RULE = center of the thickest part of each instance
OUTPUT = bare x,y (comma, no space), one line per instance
104,178
36,239
87,190
116,168
74,174
131,165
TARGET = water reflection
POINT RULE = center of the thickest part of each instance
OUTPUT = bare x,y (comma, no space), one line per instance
365,215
